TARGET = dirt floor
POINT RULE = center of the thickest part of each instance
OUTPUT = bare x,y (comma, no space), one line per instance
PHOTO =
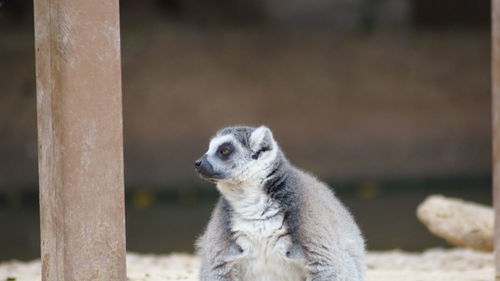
431,265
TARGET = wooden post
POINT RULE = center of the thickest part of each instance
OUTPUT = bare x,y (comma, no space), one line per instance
80,140
495,7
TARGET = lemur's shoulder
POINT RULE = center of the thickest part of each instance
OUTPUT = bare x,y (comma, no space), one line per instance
308,185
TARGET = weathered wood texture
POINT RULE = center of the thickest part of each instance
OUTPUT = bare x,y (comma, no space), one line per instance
496,127
80,140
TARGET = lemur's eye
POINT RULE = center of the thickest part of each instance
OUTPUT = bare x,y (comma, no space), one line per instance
225,150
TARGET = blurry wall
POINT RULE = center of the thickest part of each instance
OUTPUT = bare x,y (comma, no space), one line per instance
364,89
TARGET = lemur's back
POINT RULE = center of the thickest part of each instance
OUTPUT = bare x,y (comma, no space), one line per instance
326,220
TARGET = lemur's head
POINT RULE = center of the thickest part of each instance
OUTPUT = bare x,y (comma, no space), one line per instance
238,154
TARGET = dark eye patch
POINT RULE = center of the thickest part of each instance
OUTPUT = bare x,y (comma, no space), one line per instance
225,150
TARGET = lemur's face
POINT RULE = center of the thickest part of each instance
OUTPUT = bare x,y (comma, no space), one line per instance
236,154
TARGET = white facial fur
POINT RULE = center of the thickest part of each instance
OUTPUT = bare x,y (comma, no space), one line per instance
218,164
243,173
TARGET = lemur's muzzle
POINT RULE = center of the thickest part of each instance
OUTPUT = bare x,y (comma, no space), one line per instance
205,169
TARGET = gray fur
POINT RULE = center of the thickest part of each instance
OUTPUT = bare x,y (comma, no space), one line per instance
241,133
323,243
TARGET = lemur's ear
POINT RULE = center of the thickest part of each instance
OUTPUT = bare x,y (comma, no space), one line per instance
261,140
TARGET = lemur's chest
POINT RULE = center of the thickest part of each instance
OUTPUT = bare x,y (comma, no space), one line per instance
267,247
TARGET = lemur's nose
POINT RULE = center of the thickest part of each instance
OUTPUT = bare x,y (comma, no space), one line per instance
197,163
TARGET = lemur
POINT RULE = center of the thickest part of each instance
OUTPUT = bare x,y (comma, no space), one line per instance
273,222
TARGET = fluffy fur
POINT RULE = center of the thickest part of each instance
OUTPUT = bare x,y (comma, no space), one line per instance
273,221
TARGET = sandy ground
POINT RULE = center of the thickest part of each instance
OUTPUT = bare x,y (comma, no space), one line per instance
431,265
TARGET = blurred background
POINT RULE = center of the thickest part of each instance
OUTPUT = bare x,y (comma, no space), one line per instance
386,100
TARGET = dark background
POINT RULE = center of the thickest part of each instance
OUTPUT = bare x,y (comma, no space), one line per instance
387,100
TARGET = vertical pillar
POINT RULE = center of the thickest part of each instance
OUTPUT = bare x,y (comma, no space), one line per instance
80,141
495,7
